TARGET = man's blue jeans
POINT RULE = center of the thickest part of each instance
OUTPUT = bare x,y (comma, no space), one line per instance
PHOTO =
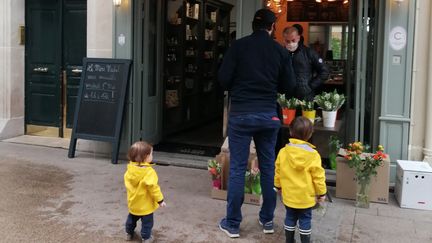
263,128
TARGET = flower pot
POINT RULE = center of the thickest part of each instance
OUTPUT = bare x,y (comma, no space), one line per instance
362,196
309,115
329,118
217,183
288,115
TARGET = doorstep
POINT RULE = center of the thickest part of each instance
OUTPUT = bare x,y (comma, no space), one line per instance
162,158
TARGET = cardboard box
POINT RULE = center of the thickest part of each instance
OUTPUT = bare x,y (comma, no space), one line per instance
225,147
223,159
346,186
248,198
413,184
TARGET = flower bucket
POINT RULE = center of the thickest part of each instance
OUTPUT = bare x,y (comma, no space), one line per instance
288,115
329,118
217,183
309,115
362,196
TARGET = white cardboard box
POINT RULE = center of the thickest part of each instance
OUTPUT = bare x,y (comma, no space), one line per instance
413,187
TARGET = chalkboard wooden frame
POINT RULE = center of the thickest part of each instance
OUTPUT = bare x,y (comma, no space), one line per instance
124,66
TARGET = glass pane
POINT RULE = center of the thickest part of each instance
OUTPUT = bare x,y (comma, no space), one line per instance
152,48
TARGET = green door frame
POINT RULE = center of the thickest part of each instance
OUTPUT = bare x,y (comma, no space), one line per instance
147,92
394,119
54,52
43,63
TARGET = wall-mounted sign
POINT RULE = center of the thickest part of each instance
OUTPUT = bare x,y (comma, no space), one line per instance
398,38
122,39
311,11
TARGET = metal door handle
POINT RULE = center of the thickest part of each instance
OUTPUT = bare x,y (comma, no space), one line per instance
40,69
76,70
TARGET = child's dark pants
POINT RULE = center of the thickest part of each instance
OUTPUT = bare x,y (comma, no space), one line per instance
147,225
304,218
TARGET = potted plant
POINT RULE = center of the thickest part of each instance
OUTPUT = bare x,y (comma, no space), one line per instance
215,169
291,110
334,146
253,182
365,166
330,104
308,110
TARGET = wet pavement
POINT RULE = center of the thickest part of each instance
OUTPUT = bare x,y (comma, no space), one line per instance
46,197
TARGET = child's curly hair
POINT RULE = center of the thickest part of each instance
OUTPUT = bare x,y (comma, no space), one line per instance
301,128
139,151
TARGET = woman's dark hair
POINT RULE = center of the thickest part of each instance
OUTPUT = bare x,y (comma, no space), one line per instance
139,151
301,128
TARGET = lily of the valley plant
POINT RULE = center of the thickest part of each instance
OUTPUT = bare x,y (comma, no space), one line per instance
292,103
307,105
282,100
330,101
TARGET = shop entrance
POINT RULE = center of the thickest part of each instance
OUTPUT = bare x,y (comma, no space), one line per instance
345,34
54,48
197,34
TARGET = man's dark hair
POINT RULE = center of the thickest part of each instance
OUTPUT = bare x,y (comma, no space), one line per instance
259,25
299,28
263,20
301,128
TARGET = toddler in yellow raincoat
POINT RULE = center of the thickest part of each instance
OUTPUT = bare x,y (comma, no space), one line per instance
144,195
300,176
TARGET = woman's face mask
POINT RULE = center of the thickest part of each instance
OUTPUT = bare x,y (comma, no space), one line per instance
292,46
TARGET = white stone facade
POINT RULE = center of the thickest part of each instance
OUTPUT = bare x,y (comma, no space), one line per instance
11,69
420,144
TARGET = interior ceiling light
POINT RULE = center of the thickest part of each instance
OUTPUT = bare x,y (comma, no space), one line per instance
117,2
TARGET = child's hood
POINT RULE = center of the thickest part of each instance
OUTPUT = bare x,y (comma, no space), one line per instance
138,172
300,154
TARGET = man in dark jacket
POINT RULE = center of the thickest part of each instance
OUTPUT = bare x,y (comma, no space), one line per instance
254,70
310,70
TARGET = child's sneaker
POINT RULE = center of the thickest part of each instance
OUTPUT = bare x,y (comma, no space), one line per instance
267,227
231,232
129,237
149,240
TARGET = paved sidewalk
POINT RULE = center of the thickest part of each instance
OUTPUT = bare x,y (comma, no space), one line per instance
46,197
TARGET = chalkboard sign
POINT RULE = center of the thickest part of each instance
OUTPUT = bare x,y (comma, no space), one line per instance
100,103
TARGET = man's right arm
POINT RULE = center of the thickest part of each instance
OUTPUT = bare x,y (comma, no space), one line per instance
227,69
287,80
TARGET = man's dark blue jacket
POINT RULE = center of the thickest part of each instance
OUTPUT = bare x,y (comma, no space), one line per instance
255,68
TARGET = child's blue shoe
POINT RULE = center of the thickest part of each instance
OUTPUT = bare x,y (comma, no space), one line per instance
129,237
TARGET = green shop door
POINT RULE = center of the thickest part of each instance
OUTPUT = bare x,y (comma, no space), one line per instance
55,46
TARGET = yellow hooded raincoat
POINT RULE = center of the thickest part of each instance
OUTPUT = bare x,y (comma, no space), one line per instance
143,191
299,174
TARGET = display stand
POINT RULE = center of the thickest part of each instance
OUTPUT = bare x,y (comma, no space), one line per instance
196,38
